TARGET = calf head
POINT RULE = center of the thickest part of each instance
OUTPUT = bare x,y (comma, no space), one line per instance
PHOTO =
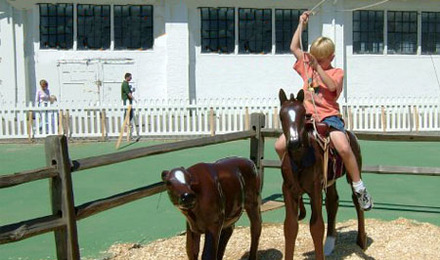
179,185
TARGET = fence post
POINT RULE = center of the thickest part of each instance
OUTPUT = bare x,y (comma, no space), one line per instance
60,122
246,119
275,118
103,125
30,123
67,124
62,197
257,143
384,119
212,121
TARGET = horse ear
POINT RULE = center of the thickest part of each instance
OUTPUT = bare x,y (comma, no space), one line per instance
282,96
300,95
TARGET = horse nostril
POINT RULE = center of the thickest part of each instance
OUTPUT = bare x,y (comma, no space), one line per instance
294,144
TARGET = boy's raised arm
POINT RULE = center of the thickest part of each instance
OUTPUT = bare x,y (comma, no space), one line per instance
295,45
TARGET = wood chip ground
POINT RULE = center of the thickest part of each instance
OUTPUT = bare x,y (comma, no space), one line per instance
394,240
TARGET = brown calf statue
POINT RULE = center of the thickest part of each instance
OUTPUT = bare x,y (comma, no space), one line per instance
212,197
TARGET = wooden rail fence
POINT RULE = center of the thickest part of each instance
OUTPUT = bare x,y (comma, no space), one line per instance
65,214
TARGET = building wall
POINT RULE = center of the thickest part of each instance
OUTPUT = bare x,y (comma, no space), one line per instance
176,68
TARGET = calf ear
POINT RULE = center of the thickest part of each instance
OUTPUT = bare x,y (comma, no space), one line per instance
165,175
282,96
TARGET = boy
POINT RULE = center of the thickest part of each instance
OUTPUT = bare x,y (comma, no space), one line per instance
328,82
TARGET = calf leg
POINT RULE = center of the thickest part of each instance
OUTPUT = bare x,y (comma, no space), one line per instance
290,222
331,204
192,244
316,221
254,214
224,238
212,237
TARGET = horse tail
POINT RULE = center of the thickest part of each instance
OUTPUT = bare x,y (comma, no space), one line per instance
302,209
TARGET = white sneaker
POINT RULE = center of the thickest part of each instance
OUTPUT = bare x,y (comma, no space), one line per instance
364,199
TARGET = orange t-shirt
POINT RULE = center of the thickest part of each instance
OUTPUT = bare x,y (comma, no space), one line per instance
325,100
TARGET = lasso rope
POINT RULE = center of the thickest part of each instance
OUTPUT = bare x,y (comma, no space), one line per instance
365,7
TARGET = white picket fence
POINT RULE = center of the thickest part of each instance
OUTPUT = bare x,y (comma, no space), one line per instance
163,118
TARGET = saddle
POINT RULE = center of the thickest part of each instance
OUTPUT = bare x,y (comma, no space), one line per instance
335,166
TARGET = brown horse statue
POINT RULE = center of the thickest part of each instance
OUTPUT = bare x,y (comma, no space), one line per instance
303,168
212,197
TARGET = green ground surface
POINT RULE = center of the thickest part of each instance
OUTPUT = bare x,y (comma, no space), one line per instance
145,220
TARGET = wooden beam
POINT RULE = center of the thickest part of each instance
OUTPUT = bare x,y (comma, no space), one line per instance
106,159
124,126
27,176
404,170
416,137
375,136
379,169
29,228
91,208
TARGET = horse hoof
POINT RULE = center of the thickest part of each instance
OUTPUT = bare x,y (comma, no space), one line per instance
329,245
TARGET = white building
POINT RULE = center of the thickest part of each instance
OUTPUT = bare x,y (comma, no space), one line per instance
203,49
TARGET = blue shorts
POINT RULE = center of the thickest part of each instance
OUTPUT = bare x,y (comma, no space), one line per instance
335,122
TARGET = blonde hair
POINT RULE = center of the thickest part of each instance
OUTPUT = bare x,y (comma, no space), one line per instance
322,48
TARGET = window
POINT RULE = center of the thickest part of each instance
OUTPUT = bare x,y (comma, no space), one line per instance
402,32
368,32
430,33
286,22
56,26
255,30
218,29
93,27
133,27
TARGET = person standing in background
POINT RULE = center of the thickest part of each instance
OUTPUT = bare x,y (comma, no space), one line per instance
42,96
42,99
127,94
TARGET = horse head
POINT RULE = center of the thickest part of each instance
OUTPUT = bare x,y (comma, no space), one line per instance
179,186
293,117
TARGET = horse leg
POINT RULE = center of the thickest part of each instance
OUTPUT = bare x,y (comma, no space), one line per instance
212,237
192,244
331,204
316,221
254,214
362,236
224,238
290,222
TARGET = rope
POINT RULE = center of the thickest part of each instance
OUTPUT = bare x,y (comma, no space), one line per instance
309,79
316,6
365,7
435,71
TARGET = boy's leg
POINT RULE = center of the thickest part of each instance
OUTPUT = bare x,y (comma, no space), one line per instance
343,147
280,146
